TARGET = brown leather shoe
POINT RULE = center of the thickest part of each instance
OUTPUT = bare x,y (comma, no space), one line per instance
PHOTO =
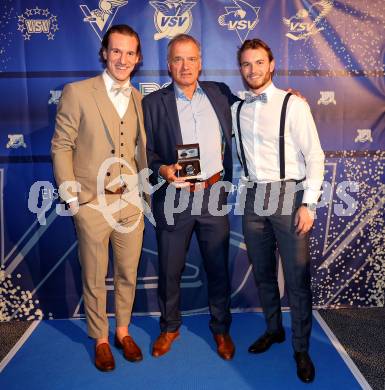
104,360
225,346
130,349
163,343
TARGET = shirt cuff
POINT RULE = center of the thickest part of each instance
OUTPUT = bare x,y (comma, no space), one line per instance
71,199
161,179
311,196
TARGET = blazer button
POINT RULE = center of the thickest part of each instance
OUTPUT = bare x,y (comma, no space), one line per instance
122,144
121,122
121,133
113,151
122,166
108,174
122,155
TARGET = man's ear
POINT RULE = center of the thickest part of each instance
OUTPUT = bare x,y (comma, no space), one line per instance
272,66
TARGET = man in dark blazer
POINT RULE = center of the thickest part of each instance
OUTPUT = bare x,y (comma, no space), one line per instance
188,112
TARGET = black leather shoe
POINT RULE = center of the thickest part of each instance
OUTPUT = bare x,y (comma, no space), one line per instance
266,341
305,367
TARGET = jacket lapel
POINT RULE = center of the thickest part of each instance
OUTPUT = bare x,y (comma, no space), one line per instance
106,109
141,142
169,102
136,97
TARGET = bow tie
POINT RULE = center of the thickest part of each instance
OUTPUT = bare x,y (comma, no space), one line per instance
250,97
117,88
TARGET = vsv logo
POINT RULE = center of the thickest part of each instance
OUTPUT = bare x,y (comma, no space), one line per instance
38,26
36,21
242,18
327,97
16,141
364,135
55,96
100,19
306,21
172,17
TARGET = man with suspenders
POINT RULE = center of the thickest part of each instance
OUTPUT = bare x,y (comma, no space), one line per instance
283,165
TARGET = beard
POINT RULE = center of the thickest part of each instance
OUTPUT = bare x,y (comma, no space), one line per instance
255,84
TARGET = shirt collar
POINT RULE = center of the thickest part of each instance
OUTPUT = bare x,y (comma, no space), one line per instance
109,81
179,94
269,91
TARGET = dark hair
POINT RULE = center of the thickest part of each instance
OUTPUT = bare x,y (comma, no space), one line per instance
254,44
182,38
121,29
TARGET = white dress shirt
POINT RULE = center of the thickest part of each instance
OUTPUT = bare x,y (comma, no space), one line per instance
304,157
120,100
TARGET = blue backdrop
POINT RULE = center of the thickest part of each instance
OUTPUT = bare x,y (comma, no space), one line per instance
331,51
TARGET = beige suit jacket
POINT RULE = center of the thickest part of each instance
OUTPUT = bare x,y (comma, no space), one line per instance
86,128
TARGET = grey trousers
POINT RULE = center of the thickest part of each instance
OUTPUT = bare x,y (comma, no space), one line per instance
268,223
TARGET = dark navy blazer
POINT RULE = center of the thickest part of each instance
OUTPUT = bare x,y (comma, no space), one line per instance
162,126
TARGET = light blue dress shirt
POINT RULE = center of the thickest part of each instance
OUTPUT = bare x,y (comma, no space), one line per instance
199,124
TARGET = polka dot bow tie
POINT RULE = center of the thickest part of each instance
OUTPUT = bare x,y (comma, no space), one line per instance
250,97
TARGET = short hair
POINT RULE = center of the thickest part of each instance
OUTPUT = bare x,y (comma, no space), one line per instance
254,44
121,29
182,38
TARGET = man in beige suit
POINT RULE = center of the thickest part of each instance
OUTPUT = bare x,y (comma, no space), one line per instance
98,149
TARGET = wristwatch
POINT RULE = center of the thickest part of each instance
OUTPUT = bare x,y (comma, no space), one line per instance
311,206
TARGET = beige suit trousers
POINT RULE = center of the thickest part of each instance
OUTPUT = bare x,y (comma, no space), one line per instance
94,232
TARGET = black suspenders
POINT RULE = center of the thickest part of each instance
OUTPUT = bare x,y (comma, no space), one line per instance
243,158
281,138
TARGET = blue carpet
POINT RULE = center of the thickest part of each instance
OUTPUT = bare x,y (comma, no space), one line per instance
58,355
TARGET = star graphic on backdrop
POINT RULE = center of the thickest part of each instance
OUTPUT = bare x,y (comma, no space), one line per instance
45,12
28,12
21,27
50,36
21,18
37,10
27,36
55,27
53,18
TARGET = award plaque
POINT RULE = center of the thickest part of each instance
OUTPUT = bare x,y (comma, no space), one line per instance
188,157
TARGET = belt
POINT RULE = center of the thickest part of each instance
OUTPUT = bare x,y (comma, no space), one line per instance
202,185
119,191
